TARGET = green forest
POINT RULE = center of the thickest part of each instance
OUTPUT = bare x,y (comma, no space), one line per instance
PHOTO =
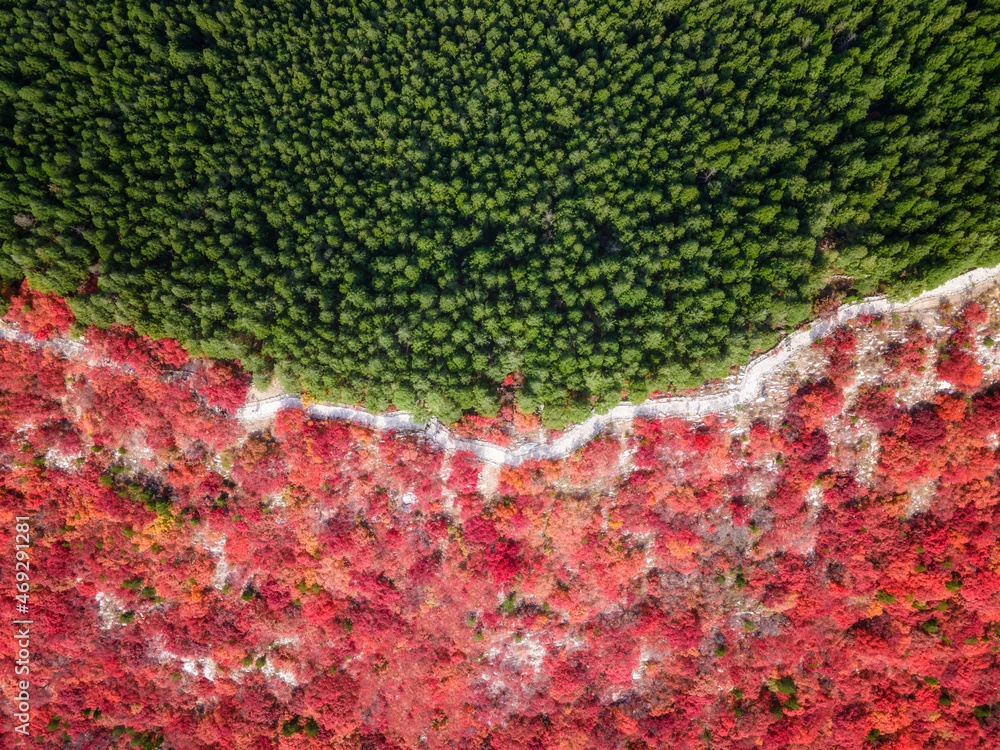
403,202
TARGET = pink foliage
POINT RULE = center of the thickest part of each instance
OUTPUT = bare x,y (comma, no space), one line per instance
148,357
356,589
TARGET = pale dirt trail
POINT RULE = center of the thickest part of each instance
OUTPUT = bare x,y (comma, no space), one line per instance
747,387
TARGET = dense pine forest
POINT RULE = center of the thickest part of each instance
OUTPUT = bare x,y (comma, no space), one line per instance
405,202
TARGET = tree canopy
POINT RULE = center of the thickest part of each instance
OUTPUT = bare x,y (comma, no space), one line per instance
407,201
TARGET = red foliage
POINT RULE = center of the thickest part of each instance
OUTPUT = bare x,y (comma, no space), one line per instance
223,384
957,365
909,354
878,406
42,315
840,347
960,369
480,531
474,426
814,403
463,475
317,584
974,314
502,561
142,354
927,430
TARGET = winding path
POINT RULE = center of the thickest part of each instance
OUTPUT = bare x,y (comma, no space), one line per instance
747,386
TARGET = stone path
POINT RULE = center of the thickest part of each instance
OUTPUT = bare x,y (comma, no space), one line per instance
747,386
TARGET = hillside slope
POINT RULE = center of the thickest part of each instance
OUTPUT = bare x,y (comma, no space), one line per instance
822,570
